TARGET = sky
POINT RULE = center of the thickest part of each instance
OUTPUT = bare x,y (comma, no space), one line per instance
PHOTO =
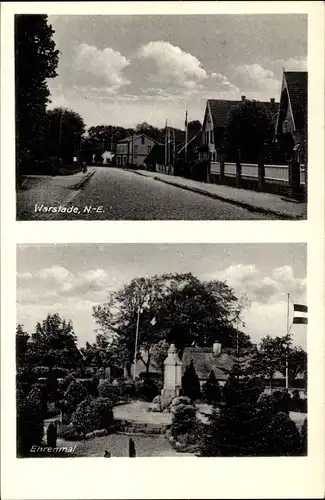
71,279
124,70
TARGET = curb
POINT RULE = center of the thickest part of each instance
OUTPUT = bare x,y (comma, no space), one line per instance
82,182
247,206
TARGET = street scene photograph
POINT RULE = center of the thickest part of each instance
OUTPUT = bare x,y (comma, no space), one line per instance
161,350
161,117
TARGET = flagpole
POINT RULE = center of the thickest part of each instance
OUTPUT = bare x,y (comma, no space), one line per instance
136,343
287,365
174,148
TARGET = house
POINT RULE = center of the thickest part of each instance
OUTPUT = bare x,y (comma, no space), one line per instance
291,123
206,359
215,121
133,150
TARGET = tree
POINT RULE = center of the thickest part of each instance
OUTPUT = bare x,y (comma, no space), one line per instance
249,127
64,132
36,60
194,127
22,338
270,356
297,363
159,354
304,437
190,383
211,389
54,343
186,312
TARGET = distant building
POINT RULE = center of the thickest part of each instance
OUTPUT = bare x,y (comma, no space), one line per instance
133,150
215,121
291,123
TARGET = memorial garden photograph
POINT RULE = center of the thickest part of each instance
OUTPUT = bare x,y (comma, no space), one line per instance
126,350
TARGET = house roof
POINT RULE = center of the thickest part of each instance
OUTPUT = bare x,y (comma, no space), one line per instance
205,360
220,110
297,85
133,137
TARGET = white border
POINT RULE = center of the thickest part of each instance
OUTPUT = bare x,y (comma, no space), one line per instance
158,477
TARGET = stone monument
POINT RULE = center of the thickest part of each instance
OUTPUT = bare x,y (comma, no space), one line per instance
172,377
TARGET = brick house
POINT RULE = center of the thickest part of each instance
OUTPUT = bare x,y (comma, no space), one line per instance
215,121
291,124
133,150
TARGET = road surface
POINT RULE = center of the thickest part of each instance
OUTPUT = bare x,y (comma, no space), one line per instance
115,194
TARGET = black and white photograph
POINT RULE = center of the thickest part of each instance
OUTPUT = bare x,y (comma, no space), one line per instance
161,350
161,117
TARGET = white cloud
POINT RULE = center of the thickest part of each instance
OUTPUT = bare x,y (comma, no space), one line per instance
106,63
173,65
56,273
253,77
292,64
237,275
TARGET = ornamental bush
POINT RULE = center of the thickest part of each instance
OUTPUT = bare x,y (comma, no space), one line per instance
75,394
93,414
108,390
184,420
211,390
147,389
191,383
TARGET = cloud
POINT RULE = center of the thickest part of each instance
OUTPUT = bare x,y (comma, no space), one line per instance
173,65
58,274
292,64
107,64
253,77
263,289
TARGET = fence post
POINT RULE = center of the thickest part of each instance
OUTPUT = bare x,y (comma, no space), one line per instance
294,179
261,172
238,169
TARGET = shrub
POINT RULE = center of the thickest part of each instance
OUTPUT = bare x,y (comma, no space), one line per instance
147,389
282,436
40,371
69,433
191,383
128,388
211,390
282,401
75,394
93,414
29,422
92,386
64,384
304,437
108,390
297,403
61,372
184,420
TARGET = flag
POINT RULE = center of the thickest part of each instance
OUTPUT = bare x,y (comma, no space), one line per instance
153,321
300,320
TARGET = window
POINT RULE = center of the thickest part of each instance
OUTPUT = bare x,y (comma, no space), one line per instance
149,149
285,127
211,137
136,148
142,140
207,138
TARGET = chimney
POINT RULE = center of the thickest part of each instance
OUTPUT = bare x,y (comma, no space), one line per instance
216,348
243,98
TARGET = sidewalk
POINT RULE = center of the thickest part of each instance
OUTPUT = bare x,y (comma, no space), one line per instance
47,190
251,200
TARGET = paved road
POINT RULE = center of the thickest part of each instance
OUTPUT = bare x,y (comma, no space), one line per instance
114,194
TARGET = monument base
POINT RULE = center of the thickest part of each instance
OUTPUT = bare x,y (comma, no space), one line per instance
167,395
